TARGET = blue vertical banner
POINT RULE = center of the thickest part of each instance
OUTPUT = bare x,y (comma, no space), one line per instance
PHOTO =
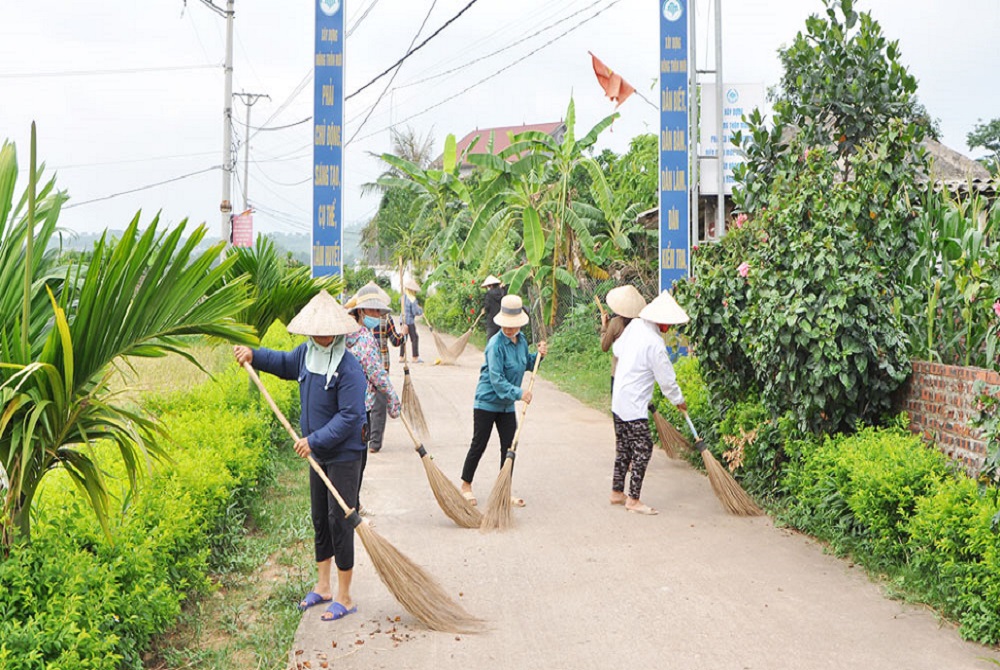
675,231
328,149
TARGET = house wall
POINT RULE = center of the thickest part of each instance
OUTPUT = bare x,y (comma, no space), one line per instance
941,403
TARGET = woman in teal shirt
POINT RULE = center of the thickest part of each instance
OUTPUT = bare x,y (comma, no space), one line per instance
507,359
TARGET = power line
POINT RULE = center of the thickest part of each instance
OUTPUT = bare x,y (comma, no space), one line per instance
350,31
501,50
131,160
142,188
393,77
263,129
414,50
88,73
497,73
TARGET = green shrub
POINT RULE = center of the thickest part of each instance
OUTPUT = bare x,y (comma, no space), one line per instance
457,300
955,556
72,599
859,492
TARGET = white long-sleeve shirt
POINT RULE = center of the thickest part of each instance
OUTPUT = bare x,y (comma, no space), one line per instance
642,360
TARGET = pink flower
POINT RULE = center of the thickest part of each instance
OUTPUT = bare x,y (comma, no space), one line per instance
996,308
740,220
743,269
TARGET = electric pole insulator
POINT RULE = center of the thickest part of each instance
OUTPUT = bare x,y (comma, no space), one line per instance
226,207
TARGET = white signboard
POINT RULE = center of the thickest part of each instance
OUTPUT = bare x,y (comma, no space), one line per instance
737,100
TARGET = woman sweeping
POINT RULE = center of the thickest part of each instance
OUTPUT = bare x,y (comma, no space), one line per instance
411,310
332,392
626,303
499,387
642,362
372,308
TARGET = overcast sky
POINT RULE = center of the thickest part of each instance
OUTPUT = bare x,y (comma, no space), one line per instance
106,131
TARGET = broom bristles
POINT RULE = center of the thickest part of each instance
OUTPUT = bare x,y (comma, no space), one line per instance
498,508
727,490
449,498
449,355
411,407
670,437
414,588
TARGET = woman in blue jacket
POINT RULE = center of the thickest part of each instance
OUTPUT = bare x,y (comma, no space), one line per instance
332,390
507,359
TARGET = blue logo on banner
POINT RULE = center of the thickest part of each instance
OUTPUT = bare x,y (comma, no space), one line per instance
672,10
329,7
732,96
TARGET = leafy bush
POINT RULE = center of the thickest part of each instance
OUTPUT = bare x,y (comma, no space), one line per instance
72,599
859,492
457,300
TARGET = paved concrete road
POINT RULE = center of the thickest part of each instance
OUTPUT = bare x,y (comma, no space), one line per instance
578,584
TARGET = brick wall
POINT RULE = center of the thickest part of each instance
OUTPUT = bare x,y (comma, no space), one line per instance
941,403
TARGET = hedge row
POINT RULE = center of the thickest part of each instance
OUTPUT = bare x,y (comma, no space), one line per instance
72,599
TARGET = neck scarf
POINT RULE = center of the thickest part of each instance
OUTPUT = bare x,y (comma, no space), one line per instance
325,360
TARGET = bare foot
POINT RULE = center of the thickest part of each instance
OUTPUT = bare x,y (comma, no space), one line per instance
617,498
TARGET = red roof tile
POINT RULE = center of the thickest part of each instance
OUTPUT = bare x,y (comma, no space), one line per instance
501,136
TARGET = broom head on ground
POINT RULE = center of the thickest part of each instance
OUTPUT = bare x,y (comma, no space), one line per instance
448,355
411,585
727,490
448,497
411,404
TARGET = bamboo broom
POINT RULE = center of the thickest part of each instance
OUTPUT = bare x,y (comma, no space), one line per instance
727,490
448,355
411,403
671,439
411,585
448,497
498,508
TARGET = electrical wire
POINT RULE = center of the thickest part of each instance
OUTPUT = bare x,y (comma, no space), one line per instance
132,160
412,51
501,50
393,77
263,129
495,74
142,188
350,31
89,73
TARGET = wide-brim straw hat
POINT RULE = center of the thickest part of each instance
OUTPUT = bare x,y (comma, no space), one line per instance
491,281
664,309
626,301
511,314
411,285
369,296
322,317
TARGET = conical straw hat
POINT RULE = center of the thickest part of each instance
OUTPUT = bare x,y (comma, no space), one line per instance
369,296
322,317
626,301
664,309
490,281
411,285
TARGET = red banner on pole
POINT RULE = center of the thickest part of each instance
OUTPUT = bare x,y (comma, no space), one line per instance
243,229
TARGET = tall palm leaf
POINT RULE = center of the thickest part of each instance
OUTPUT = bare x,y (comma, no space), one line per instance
142,295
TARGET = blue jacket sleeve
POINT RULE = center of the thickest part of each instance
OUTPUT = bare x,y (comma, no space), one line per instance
283,364
350,414
501,386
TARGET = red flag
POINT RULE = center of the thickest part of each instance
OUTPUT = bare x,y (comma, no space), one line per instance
616,88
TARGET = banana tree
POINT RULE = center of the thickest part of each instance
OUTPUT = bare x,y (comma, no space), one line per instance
536,201
145,294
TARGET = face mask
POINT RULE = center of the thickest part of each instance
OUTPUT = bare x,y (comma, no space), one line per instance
371,322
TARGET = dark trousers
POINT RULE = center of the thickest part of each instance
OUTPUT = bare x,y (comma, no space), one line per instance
411,332
482,427
633,450
333,535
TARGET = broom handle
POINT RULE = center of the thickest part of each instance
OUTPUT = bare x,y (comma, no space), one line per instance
600,307
409,429
524,410
291,431
694,431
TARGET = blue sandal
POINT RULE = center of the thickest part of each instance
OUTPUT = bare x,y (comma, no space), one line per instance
338,611
312,598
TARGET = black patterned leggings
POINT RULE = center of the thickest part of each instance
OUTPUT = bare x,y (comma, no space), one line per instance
633,448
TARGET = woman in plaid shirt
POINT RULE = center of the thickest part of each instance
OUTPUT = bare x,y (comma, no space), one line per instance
372,311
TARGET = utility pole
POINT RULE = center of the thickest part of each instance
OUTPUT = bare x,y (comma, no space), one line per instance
226,206
249,99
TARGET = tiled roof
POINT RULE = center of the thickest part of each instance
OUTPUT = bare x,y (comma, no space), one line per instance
501,137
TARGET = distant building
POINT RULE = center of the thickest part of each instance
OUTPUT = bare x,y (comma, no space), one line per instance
501,140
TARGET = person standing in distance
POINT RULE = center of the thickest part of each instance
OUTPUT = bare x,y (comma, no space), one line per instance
491,305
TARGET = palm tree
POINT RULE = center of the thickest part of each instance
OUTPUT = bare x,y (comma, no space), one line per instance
61,329
277,291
